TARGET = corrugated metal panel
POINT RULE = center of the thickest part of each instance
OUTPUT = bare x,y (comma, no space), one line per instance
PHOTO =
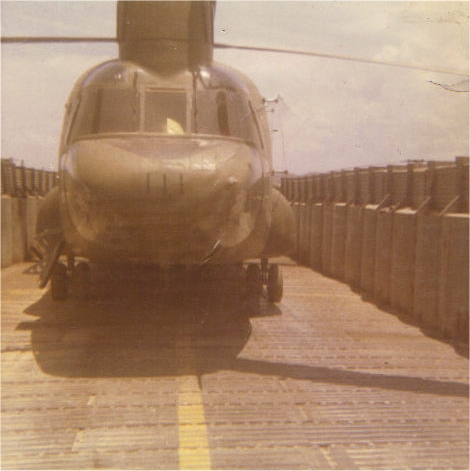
421,186
379,185
304,190
310,188
322,187
30,187
328,187
8,178
296,183
350,185
337,180
20,181
445,186
399,185
363,186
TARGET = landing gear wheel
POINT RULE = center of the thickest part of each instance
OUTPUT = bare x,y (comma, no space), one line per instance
275,284
254,281
82,280
59,282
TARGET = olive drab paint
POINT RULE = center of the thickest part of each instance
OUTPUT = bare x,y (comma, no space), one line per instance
165,155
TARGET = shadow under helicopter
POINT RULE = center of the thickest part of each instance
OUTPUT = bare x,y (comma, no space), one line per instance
140,323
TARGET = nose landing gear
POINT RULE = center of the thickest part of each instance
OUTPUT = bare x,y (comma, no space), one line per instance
275,284
267,275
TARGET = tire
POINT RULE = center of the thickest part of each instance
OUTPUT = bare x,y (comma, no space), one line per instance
275,285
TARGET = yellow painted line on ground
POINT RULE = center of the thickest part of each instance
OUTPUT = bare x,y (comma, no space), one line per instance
193,450
192,430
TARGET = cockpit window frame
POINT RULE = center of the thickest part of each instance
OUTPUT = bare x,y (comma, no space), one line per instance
257,126
72,109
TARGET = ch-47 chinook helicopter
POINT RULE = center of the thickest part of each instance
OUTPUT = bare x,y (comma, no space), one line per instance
165,159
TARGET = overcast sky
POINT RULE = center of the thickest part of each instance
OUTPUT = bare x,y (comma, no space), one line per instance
334,114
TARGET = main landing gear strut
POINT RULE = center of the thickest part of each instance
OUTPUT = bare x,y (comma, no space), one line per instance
267,275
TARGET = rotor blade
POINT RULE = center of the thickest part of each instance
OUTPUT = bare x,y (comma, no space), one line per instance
343,58
52,39
55,39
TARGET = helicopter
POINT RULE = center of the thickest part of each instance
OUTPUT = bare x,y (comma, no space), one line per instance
164,160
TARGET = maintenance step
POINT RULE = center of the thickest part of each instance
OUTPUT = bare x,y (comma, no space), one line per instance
165,372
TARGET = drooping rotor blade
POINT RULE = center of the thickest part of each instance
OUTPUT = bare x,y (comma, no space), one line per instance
52,39
343,58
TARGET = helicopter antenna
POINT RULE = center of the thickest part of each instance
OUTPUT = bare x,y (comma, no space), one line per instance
279,129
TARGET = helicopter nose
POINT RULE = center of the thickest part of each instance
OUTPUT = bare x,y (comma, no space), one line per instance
159,169
178,197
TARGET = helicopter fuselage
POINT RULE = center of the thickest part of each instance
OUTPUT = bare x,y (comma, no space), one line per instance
165,168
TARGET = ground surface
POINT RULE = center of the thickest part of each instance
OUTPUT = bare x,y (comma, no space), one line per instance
190,377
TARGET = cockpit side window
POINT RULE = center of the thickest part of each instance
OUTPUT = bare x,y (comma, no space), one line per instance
223,112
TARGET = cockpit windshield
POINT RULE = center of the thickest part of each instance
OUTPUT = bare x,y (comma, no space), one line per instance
109,110
165,111
209,111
